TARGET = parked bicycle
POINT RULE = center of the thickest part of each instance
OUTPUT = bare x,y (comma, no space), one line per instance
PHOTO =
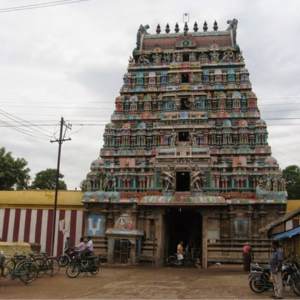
83,264
45,264
187,261
20,267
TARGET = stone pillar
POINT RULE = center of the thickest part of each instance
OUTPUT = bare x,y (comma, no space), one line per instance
132,251
160,238
110,250
250,216
204,241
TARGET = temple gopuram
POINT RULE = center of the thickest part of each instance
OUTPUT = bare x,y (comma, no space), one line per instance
185,155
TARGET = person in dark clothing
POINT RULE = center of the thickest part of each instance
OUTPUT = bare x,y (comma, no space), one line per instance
247,256
276,266
67,245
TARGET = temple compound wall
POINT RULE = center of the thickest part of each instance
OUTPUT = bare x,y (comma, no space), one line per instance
28,216
186,154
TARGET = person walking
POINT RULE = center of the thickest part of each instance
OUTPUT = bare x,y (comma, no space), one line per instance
247,256
276,266
180,252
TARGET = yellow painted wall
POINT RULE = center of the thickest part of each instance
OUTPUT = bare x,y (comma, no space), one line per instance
292,205
10,249
70,199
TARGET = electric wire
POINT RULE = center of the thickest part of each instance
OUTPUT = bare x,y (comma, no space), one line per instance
22,121
39,5
22,131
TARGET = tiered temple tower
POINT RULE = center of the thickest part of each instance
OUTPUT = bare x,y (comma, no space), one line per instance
185,141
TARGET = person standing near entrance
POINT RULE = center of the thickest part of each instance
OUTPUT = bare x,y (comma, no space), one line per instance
247,256
180,252
276,266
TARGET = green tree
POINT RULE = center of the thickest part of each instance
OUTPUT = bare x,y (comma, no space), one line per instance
291,175
45,180
13,171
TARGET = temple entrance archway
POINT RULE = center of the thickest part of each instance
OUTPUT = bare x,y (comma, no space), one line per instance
183,224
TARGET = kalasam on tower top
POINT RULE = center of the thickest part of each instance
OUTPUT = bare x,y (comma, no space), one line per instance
185,156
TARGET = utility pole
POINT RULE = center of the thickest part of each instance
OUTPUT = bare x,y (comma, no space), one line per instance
60,141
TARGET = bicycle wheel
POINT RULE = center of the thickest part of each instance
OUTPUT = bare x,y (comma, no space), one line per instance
63,260
52,266
34,270
26,272
41,266
171,260
295,284
8,268
73,270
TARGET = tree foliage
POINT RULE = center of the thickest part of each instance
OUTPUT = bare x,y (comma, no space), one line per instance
45,180
14,172
291,175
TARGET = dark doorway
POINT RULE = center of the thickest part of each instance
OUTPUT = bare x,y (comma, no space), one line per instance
185,57
185,104
183,136
182,181
184,224
185,78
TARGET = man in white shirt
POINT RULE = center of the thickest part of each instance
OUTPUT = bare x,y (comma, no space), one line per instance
90,245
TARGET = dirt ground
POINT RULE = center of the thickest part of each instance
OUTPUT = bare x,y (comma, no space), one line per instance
218,282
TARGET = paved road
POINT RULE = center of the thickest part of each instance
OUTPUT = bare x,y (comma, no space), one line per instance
139,283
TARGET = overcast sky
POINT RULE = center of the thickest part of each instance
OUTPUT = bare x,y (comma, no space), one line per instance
69,61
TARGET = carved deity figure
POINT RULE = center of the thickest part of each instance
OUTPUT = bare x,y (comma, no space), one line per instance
233,27
87,185
214,57
173,138
143,60
109,183
177,57
228,56
197,181
131,61
167,58
272,183
168,180
194,138
142,31
157,59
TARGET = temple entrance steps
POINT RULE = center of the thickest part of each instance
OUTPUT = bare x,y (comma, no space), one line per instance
230,250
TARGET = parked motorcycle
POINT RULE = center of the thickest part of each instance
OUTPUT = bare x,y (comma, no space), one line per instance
260,277
81,264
